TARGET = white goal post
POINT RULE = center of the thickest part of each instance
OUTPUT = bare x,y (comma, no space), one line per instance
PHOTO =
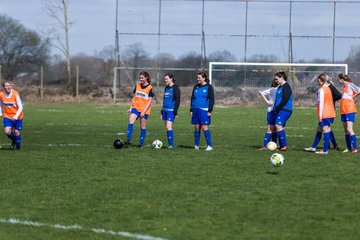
240,81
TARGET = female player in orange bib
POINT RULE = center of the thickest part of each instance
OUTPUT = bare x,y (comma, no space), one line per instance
13,114
326,114
348,111
140,107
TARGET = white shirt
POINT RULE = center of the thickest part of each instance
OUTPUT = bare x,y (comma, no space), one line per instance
271,94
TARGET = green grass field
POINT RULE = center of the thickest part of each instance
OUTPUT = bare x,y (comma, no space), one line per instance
68,182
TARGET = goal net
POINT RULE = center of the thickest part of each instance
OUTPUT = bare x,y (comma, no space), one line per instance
240,82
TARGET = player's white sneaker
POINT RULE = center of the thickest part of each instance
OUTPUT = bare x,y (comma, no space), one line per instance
321,152
310,149
208,148
196,147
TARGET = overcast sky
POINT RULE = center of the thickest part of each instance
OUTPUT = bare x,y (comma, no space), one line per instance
94,26
93,21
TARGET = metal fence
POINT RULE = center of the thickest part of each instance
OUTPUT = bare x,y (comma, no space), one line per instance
292,30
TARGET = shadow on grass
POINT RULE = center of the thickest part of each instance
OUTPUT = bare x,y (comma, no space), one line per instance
255,146
185,146
273,172
6,149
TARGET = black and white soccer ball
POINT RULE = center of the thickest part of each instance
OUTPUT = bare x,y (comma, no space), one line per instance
118,144
157,144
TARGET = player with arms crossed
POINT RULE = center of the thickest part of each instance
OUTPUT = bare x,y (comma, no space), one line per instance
140,107
171,103
269,97
201,106
282,107
13,114
326,114
348,111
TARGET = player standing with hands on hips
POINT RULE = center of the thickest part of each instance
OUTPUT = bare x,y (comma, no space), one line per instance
140,107
171,103
13,114
201,106
282,107
269,97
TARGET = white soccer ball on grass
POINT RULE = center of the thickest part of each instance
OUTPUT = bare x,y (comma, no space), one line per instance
271,146
157,144
277,159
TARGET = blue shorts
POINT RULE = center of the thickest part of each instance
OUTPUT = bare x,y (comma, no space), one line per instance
349,117
200,116
326,122
167,115
16,124
137,113
271,118
282,117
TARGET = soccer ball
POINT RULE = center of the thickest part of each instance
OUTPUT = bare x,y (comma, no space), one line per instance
271,146
277,159
157,144
118,144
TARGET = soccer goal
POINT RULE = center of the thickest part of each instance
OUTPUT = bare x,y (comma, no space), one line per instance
240,81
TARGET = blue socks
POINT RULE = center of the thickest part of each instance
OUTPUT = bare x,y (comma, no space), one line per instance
267,138
130,131
326,141
317,139
11,136
332,139
142,136
197,138
170,137
282,138
18,141
353,141
207,135
274,137
348,141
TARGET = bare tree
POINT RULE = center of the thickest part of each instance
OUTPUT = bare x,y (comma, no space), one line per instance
135,56
353,59
58,11
21,50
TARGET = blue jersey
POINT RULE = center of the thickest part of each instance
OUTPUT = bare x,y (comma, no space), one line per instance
202,97
171,99
284,99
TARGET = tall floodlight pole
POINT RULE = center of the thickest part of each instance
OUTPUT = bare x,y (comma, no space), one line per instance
290,57
291,69
245,42
203,49
158,47
117,53
333,37
246,25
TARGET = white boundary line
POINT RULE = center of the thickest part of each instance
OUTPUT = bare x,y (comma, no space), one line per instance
78,227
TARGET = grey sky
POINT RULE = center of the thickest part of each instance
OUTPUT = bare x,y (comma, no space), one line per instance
94,25
93,21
